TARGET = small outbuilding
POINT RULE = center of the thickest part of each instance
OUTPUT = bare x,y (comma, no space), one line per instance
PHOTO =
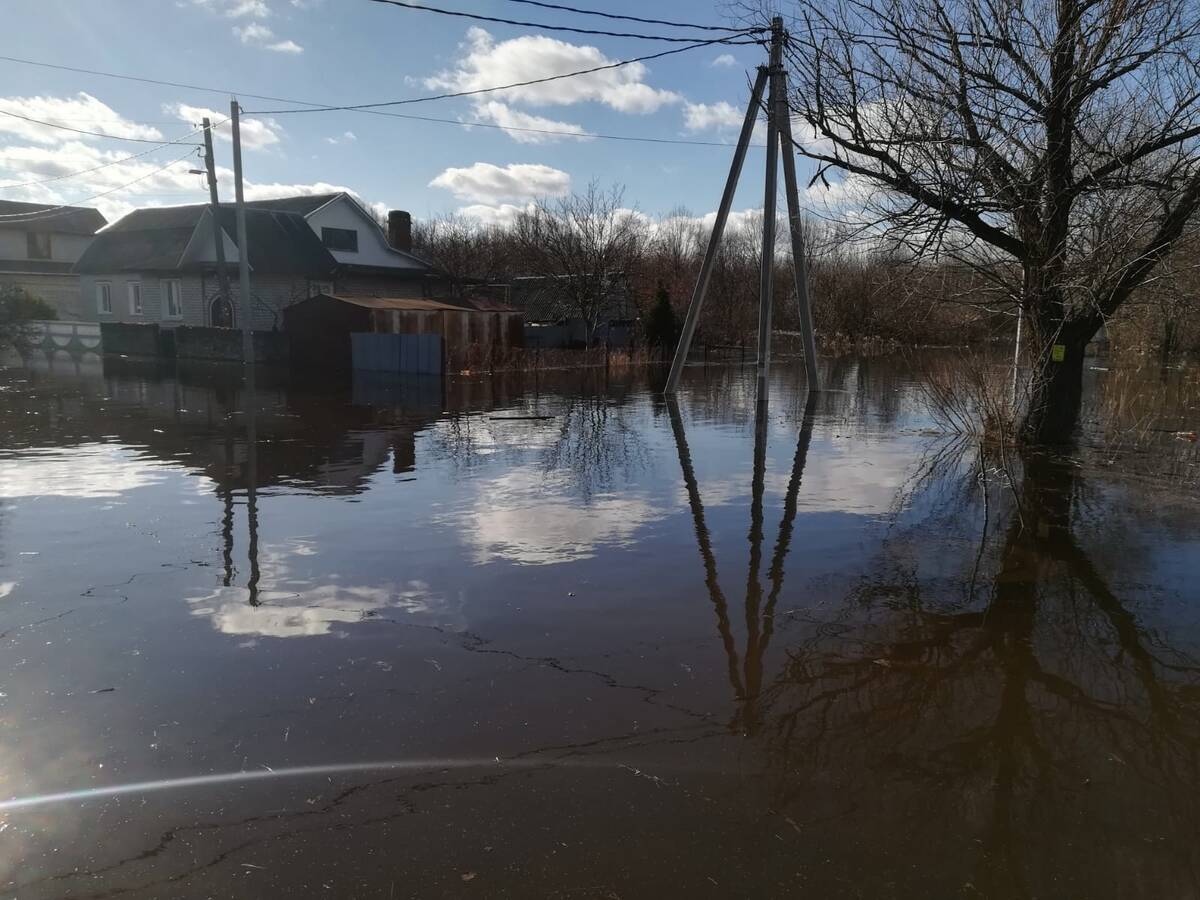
320,327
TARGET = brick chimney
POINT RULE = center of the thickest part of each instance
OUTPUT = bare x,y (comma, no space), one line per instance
400,229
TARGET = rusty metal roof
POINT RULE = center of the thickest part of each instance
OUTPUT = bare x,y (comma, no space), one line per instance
422,304
413,304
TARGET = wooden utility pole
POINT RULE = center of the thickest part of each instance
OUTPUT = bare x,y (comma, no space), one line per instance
243,244
218,235
779,136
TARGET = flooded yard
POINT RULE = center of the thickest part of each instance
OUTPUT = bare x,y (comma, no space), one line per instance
554,636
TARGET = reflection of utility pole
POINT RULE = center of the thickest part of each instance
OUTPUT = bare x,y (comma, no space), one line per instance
251,406
218,235
746,681
704,542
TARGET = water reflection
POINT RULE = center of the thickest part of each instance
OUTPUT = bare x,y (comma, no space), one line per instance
854,658
1034,710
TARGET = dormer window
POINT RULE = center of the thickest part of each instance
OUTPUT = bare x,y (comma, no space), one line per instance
37,244
344,239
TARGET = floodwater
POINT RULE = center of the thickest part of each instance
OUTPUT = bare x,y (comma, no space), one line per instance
554,637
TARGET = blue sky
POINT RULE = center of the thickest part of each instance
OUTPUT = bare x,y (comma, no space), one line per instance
354,51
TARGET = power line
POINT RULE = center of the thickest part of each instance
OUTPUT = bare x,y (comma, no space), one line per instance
115,162
404,4
487,90
114,137
157,81
472,123
64,209
607,15
368,111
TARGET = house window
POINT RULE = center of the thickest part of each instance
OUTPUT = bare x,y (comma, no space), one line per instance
135,298
320,287
37,245
345,239
172,299
104,298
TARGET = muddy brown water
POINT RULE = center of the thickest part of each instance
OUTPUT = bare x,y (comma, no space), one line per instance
554,637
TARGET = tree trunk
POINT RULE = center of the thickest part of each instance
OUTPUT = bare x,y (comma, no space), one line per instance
1056,391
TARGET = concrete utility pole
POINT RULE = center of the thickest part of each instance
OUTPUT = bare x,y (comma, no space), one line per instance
714,240
779,136
783,118
243,245
218,237
766,301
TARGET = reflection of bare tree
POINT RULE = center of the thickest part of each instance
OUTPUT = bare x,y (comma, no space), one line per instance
597,442
1049,738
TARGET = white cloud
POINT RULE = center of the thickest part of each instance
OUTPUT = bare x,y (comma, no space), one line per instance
81,111
505,116
255,9
502,214
725,59
346,137
152,175
736,221
487,183
486,63
258,35
256,133
712,116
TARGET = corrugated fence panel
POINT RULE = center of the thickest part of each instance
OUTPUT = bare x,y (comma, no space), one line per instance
405,353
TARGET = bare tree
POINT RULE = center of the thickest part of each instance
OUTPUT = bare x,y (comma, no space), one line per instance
588,243
1060,135
464,251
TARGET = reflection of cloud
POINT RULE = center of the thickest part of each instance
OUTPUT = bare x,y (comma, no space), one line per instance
840,475
87,471
527,518
6,588
308,613
290,604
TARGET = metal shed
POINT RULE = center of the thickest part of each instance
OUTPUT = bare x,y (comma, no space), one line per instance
320,327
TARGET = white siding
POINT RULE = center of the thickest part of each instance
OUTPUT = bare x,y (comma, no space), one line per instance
12,244
68,247
373,249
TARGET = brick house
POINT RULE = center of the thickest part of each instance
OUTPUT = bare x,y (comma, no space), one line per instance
159,264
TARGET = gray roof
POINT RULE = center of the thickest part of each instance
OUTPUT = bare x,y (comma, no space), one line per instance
154,239
302,205
64,220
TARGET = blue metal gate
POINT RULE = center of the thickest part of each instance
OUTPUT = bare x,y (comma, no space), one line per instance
408,353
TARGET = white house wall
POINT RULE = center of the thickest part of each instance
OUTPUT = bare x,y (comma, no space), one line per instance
12,244
373,249
272,294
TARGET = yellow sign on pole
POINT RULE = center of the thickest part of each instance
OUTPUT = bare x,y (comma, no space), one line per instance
1058,352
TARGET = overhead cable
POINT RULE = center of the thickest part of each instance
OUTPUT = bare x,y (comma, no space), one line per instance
541,26
608,15
487,90
66,208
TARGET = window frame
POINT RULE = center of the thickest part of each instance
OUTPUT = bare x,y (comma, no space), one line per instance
104,298
131,288
33,241
165,289
328,231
